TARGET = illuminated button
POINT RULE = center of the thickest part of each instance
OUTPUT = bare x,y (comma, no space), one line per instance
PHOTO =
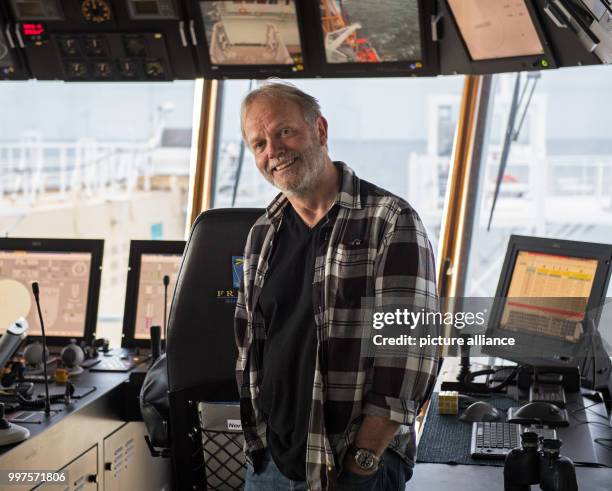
69,46
76,69
103,69
154,69
135,46
128,69
95,46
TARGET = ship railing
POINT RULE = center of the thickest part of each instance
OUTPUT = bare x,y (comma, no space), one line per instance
30,168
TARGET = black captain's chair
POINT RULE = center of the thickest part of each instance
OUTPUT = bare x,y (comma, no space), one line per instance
205,443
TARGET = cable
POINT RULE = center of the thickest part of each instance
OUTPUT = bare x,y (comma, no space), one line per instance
587,408
469,378
583,422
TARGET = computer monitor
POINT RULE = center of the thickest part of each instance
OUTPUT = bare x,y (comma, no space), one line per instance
550,293
149,262
367,38
68,273
247,37
501,35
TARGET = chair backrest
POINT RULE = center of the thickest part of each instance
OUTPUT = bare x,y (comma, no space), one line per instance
201,349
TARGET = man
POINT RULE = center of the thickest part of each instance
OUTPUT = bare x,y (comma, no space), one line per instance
316,413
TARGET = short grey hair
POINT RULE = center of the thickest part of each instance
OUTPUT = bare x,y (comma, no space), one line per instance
275,88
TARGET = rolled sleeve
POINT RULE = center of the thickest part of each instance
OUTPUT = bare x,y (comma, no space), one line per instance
405,276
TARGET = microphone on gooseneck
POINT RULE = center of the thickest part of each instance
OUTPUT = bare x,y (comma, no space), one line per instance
36,292
166,283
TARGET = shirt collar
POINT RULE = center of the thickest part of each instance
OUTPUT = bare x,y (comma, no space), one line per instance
348,196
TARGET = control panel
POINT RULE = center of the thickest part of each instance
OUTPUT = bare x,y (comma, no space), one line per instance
100,40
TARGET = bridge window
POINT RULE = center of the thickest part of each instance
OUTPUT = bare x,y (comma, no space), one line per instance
396,133
558,176
95,160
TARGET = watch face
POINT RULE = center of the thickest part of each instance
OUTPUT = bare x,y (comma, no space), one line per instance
365,459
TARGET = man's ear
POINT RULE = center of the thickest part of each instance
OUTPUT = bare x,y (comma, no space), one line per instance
322,130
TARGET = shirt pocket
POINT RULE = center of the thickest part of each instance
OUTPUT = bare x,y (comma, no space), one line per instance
352,272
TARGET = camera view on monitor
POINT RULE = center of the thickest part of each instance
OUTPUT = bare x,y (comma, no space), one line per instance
252,33
150,305
496,28
63,278
548,295
371,31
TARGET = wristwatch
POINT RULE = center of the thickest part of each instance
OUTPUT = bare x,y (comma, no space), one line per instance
365,459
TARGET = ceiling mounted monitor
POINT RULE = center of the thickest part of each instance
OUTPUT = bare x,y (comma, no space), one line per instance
376,38
494,29
264,33
371,31
37,10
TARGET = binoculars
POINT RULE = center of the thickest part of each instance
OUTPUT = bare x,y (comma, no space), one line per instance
530,464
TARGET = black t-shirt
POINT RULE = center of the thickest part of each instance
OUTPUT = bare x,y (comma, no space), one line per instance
290,349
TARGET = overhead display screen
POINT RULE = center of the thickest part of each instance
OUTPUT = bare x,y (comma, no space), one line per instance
151,9
371,31
37,10
252,33
494,29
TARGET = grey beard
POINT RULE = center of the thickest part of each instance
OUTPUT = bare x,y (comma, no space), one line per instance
314,161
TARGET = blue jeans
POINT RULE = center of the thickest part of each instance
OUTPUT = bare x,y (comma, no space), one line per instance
392,475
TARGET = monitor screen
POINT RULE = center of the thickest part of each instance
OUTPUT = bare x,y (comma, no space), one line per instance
549,301
64,280
37,10
493,29
265,32
548,295
151,9
371,31
150,301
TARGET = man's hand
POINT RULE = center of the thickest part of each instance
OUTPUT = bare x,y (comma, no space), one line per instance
375,433
350,465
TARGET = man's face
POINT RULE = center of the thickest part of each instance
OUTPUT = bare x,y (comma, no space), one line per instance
288,151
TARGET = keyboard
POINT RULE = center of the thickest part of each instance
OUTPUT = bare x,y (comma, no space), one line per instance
113,364
543,325
493,440
90,362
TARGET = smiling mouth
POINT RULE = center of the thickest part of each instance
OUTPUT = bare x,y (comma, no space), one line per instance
284,165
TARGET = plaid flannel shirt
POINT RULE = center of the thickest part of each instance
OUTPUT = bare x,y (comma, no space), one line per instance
376,247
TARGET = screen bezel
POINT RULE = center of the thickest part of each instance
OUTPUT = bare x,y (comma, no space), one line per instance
61,15
429,52
514,63
95,247
210,70
137,249
134,16
582,250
